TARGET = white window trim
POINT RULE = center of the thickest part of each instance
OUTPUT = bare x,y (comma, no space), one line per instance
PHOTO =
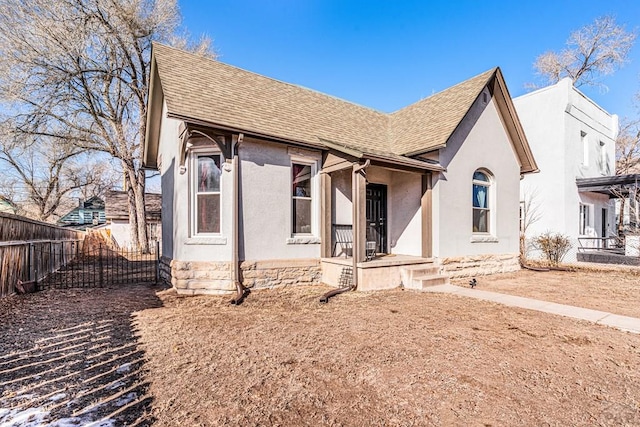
302,157
584,140
589,225
486,236
195,237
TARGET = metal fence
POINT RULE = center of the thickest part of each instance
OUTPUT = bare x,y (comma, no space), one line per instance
51,264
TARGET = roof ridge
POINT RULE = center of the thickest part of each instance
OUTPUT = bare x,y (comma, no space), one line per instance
273,79
489,72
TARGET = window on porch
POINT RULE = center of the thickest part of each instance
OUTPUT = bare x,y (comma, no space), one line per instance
302,195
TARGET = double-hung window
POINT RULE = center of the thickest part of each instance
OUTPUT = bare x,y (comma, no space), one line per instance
481,202
302,195
206,194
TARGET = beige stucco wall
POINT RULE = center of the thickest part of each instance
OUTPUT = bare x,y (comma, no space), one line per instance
266,228
481,142
405,222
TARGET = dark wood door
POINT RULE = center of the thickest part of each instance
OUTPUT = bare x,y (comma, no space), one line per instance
377,216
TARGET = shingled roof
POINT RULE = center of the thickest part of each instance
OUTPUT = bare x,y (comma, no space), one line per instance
117,205
213,93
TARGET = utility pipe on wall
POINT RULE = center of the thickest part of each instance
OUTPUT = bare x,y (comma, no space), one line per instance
241,291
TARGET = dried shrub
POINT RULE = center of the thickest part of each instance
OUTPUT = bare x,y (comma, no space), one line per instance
554,246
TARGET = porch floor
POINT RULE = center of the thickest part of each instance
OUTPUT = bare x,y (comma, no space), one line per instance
382,260
382,272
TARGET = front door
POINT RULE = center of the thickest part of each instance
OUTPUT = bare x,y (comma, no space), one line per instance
377,216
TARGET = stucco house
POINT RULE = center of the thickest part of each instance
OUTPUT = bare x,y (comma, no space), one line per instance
573,141
266,183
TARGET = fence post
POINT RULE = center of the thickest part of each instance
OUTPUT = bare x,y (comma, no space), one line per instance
30,262
157,261
100,273
50,256
35,265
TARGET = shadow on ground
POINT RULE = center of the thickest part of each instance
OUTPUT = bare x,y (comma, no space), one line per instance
71,357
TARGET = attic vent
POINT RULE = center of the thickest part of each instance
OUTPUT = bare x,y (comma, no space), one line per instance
484,97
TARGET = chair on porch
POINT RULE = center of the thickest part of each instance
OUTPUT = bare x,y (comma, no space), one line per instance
371,249
343,235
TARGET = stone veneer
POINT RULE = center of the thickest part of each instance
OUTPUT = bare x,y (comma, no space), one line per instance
479,265
190,277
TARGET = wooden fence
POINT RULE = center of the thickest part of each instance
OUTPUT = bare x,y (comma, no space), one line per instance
30,249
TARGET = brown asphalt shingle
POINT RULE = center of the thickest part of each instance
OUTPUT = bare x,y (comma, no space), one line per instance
211,91
218,93
117,205
428,123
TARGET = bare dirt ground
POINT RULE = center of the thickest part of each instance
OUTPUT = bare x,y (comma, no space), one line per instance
394,358
71,357
612,291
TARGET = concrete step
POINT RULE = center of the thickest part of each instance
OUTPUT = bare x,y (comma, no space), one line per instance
411,273
431,280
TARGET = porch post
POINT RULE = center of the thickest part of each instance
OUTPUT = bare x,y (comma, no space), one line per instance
325,215
359,199
426,207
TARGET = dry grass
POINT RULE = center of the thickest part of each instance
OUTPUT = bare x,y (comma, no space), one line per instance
615,291
387,358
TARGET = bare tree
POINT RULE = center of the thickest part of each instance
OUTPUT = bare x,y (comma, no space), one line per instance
78,70
593,51
40,176
628,148
530,213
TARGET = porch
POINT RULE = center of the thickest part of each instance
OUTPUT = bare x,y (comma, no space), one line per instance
384,271
375,219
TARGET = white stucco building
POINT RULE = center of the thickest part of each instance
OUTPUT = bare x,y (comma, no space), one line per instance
572,138
261,177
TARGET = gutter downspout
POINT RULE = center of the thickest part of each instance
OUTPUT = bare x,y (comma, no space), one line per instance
355,247
241,291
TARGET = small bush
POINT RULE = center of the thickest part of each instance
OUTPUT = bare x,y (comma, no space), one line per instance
554,246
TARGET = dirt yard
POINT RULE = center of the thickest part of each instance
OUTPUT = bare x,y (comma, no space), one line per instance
613,291
394,358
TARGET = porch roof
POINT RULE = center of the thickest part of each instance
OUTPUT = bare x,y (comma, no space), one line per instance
385,157
210,92
615,186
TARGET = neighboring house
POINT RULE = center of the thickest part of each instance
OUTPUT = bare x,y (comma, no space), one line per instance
7,206
259,176
117,215
573,141
87,214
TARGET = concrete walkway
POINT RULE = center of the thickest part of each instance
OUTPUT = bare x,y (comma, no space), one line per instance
624,323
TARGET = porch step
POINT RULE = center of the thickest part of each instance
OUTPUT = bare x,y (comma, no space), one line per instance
418,276
431,280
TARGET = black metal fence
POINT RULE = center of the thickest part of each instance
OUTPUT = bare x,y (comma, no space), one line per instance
75,264
101,265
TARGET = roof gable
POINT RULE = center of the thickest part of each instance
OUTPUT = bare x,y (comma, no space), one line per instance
428,124
209,92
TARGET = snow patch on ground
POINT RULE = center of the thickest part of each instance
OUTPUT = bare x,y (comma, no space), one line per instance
126,399
125,367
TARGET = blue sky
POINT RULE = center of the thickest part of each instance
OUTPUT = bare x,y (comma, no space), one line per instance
389,54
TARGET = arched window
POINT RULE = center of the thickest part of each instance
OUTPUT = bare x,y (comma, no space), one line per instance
481,205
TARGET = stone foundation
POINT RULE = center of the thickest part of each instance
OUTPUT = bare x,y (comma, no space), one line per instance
479,265
201,277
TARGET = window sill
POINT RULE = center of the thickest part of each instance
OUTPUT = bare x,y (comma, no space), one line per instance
209,240
483,238
303,240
